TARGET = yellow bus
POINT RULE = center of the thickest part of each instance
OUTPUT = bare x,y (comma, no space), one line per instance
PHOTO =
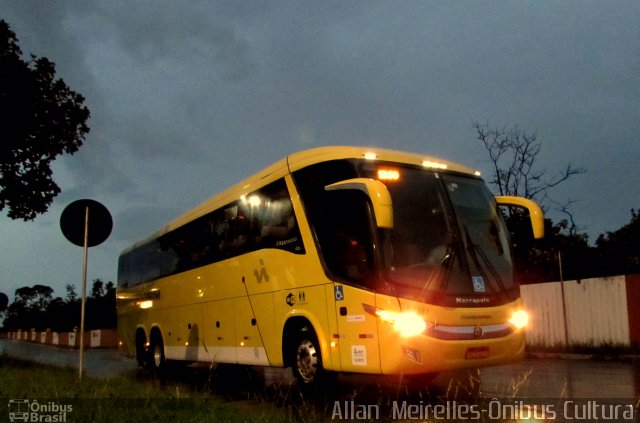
334,259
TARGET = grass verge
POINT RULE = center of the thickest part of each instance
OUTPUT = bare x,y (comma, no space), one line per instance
58,396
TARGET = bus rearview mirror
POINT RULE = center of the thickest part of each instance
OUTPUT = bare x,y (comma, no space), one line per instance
535,212
377,193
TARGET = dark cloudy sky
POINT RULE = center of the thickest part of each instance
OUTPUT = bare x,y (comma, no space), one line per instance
190,97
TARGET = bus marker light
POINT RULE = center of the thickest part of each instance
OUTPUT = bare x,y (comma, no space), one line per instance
370,156
434,165
388,175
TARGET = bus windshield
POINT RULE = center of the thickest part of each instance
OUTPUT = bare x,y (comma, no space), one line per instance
448,241
448,245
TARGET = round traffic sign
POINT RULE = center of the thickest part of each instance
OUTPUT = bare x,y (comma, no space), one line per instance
72,222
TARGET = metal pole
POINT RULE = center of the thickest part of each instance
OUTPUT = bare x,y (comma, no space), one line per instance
84,290
564,302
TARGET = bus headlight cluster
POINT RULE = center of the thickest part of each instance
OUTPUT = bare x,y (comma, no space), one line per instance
406,323
519,319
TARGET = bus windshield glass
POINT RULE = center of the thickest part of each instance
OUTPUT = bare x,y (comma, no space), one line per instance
448,245
448,242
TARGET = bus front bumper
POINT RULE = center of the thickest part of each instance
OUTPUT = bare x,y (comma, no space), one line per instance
424,354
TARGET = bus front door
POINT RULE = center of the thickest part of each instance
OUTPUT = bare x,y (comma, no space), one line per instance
357,329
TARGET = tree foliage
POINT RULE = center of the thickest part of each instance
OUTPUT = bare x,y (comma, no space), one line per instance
72,295
35,308
42,119
35,298
620,250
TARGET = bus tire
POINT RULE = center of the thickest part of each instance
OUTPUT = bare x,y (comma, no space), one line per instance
155,357
141,348
306,360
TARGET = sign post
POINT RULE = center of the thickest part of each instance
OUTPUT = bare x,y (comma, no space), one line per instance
85,223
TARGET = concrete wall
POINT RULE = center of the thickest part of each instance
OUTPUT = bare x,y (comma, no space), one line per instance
102,338
592,311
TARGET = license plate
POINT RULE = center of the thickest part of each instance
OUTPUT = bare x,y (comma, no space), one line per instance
476,353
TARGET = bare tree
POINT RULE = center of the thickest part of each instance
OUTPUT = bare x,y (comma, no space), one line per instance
513,154
569,225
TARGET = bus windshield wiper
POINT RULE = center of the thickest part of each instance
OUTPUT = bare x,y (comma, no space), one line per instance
476,251
445,262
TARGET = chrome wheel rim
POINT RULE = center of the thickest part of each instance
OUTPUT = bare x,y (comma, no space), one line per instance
157,356
307,360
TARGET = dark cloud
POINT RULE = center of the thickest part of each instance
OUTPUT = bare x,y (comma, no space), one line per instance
189,98
135,223
168,33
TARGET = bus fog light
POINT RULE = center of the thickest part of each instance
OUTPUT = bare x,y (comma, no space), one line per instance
411,354
519,319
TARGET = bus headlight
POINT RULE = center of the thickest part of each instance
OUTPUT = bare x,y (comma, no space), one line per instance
406,323
519,319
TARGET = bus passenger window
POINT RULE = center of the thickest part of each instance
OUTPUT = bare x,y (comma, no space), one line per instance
273,220
235,232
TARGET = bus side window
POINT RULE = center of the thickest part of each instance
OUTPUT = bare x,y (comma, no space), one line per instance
233,231
262,219
274,221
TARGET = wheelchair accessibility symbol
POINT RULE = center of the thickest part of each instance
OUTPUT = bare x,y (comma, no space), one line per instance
339,293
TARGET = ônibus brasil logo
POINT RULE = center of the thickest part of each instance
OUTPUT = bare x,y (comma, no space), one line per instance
24,410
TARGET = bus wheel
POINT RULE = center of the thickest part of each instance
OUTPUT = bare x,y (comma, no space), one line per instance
155,358
141,348
307,360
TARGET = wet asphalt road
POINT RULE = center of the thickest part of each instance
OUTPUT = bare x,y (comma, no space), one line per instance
563,378
530,378
99,363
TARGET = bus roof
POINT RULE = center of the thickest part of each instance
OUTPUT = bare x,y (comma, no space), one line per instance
298,161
